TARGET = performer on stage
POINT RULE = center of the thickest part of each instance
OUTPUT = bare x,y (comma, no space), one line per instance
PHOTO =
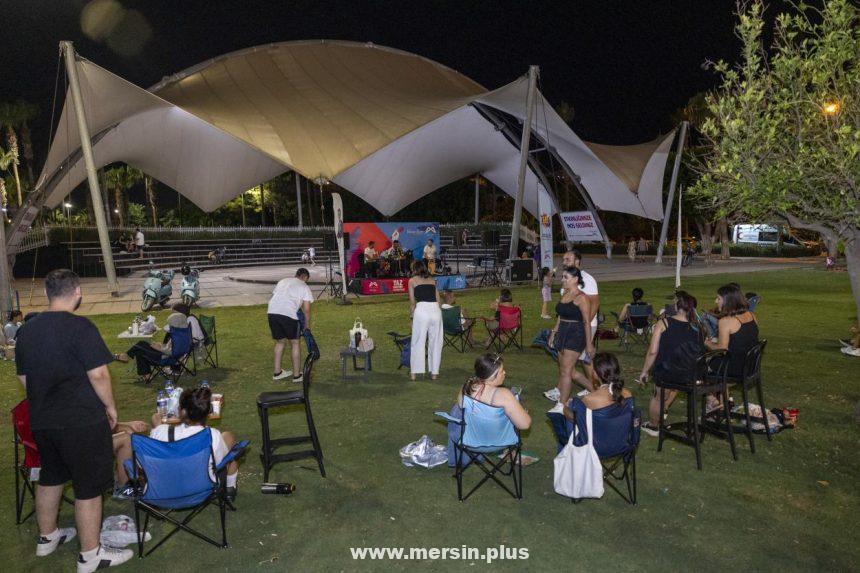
371,258
430,256
396,258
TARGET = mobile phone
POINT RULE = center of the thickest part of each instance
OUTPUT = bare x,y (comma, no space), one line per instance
585,357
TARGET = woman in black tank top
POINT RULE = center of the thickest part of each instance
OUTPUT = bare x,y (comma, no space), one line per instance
572,333
737,330
681,331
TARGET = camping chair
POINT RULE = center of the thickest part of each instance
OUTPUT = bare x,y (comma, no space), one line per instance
508,330
209,346
175,476
26,470
180,350
636,327
403,342
480,434
456,334
616,438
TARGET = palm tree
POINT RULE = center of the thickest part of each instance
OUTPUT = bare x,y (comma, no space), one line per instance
27,112
7,158
150,196
120,179
10,115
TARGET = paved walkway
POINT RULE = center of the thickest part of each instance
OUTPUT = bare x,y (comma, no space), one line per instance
253,285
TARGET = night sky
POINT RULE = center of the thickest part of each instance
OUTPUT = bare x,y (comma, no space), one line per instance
625,66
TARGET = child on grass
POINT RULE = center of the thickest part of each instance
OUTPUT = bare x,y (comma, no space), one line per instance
546,278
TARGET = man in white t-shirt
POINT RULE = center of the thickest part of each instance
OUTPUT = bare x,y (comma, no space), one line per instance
430,256
139,241
289,296
574,259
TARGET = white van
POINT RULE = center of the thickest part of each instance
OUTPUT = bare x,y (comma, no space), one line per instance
763,235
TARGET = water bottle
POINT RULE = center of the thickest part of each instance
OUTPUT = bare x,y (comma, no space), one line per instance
161,404
278,488
168,386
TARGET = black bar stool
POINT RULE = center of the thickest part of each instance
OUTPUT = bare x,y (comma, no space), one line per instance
709,377
751,378
268,400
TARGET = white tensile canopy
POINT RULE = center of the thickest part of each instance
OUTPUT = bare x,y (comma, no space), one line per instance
387,125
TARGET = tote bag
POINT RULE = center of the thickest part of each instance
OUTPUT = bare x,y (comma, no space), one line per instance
578,472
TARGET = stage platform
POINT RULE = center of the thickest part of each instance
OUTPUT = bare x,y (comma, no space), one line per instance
401,285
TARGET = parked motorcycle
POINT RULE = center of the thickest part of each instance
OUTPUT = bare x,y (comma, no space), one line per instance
190,291
156,288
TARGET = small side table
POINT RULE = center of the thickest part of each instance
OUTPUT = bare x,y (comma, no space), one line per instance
347,352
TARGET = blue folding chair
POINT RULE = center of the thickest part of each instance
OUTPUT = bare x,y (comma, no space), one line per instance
181,344
175,476
478,432
616,438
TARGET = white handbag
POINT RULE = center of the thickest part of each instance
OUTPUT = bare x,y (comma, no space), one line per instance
357,328
578,472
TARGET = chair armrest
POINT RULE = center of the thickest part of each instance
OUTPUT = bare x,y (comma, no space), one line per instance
234,453
449,417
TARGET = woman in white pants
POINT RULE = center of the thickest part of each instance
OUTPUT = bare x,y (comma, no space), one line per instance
426,322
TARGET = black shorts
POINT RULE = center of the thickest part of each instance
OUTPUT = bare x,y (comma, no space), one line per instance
283,327
83,455
570,336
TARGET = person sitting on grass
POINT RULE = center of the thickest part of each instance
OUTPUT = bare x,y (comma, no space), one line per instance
197,334
611,391
637,294
677,341
146,354
195,405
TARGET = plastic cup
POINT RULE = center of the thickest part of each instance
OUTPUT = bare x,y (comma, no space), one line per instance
217,400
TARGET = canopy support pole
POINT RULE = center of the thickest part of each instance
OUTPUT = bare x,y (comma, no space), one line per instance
477,196
524,157
664,231
89,163
299,197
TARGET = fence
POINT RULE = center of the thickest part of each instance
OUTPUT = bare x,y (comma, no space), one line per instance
33,239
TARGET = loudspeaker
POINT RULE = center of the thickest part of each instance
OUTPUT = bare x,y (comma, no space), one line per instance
522,270
354,286
490,238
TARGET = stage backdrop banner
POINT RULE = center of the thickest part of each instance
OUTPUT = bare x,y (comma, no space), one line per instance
412,237
337,209
546,210
580,226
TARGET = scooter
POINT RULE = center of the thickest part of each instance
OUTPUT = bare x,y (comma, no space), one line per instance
190,291
156,288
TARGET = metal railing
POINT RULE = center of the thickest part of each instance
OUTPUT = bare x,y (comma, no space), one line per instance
33,239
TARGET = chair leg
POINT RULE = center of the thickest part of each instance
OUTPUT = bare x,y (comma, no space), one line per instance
760,393
693,420
633,465
747,417
314,438
727,416
267,447
222,506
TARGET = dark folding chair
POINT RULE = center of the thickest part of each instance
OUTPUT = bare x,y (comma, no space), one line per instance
508,330
484,436
749,379
616,439
26,469
181,349
456,334
707,377
268,400
636,327
403,343
175,476
209,346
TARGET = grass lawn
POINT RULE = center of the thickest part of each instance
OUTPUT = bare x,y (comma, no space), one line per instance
790,507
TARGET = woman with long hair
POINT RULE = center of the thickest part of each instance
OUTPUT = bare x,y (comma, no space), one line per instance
486,386
673,336
426,323
737,329
572,334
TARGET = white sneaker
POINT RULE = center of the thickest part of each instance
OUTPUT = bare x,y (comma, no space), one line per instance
282,374
552,394
557,409
545,316
299,379
104,557
650,430
46,546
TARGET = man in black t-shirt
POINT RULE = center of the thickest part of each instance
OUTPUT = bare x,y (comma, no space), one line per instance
62,361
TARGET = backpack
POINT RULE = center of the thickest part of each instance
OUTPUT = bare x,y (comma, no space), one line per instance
405,353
